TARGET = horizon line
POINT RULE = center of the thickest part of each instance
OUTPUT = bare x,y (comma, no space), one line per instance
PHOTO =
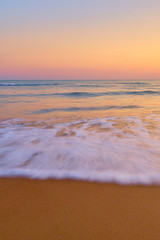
67,79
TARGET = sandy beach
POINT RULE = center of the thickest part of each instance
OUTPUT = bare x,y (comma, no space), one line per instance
64,209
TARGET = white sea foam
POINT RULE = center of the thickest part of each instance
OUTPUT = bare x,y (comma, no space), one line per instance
125,151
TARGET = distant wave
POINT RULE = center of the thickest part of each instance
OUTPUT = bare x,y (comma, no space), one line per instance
76,109
137,92
97,94
92,85
29,84
85,94
78,94
130,83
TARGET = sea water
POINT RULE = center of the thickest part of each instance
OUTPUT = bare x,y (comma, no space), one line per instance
92,130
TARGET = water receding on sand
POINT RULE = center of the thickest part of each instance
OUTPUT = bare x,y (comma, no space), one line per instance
91,130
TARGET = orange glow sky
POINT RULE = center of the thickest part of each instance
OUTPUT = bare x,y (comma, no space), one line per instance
80,39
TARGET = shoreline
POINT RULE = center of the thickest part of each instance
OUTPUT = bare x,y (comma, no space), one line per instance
68,209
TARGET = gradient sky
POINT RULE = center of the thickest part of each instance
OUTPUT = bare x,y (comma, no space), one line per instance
87,39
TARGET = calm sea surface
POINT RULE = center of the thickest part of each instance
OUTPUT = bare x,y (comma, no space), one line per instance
93,130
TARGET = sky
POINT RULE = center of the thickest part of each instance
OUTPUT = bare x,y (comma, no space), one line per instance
87,39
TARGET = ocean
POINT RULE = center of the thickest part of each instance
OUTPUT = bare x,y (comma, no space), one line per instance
105,131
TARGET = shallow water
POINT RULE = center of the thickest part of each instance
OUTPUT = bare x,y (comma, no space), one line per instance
93,130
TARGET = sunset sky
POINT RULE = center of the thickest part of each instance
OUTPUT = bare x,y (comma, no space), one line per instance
87,39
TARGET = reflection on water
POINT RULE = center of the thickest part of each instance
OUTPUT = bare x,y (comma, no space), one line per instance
86,99
93,130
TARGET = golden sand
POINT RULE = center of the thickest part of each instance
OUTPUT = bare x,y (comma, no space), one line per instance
74,210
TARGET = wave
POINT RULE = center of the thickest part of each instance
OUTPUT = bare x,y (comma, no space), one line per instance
131,83
92,176
84,94
109,93
78,94
112,93
124,151
28,84
77,109
92,85
146,92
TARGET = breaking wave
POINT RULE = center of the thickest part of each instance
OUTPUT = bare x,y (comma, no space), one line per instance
125,151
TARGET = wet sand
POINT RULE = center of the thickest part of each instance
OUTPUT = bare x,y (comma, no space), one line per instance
74,210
